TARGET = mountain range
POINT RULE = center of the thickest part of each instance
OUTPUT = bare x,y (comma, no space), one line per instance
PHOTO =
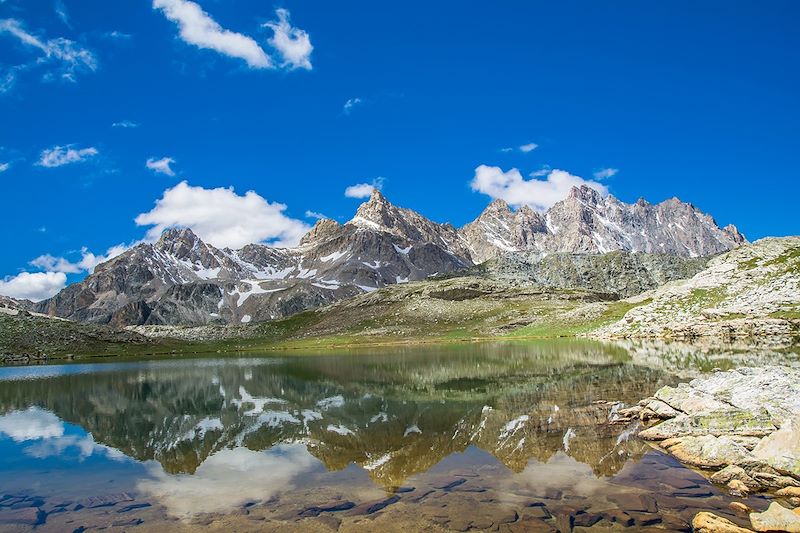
181,280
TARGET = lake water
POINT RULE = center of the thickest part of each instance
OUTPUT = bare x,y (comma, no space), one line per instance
509,437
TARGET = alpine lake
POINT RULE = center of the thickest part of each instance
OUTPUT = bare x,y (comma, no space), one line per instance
480,436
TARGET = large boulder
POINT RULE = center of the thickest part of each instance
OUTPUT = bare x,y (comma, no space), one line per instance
776,518
781,449
710,523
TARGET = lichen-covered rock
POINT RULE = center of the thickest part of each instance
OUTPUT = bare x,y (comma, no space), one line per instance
729,422
776,518
745,422
707,451
710,523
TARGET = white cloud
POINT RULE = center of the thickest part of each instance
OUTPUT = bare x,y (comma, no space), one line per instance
229,478
363,190
63,14
222,218
506,149
64,155
530,147
314,214
33,285
293,44
161,166
198,28
351,103
125,124
4,166
86,263
605,173
539,194
67,56
31,424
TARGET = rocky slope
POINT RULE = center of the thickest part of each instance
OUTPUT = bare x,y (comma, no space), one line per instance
619,272
587,222
751,291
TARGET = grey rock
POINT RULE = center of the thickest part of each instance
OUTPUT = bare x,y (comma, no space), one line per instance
776,518
587,222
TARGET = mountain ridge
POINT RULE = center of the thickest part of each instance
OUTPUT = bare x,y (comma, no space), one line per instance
180,279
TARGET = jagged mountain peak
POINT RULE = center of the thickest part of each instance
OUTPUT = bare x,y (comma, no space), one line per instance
497,206
586,221
179,241
586,194
323,229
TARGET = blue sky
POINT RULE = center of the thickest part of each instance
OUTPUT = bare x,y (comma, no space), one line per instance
690,99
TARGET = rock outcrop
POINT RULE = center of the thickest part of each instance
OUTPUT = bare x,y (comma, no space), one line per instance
744,425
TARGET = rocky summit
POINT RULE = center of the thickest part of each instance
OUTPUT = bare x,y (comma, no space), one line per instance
181,280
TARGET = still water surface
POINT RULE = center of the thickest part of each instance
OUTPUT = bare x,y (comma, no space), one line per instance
509,437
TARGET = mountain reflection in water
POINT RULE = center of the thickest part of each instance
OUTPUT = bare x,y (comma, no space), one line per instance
211,435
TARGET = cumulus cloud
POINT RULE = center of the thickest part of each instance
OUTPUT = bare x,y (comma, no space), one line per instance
605,173
229,478
31,424
530,147
125,124
199,29
222,218
363,190
350,104
539,194
34,286
67,57
64,155
161,166
4,166
86,263
293,44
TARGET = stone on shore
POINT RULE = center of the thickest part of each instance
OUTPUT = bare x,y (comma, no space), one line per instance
744,423
776,518
710,523
781,449
706,451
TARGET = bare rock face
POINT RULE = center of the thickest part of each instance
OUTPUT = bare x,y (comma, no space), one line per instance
619,272
589,223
